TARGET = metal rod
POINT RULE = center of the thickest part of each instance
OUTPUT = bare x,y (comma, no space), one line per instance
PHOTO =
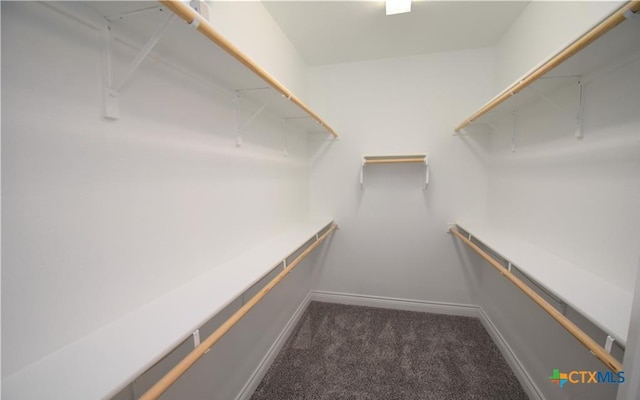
144,52
177,371
597,350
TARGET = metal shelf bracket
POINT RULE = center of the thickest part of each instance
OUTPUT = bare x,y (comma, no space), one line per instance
112,87
241,127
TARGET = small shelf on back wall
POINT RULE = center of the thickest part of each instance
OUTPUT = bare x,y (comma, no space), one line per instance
396,159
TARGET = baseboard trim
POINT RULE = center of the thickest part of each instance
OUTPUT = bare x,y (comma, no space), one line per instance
527,382
465,310
270,356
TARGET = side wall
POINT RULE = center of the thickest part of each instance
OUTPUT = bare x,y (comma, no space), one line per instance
99,216
576,198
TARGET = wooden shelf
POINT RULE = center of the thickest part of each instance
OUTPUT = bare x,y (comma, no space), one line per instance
411,158
98,366
604,304
396,159
610,40
205,52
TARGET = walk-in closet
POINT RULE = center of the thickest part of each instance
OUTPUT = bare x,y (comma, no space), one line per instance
279,200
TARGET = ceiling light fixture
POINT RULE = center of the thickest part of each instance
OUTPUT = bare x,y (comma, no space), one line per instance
398,6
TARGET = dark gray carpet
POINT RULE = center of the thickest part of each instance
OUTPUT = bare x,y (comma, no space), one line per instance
363,353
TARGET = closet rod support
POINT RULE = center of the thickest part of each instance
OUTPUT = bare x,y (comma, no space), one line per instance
112,89
579,133
426,179
240,126
196,338
546,99
134,13
144,52
629,14
609,343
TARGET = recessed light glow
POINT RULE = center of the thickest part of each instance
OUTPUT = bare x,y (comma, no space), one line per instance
398,6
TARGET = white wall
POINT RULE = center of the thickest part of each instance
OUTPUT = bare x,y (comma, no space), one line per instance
98,216
249,26
393,240
543,29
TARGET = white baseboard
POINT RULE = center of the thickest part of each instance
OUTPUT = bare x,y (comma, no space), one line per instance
464,310
527,382
267,360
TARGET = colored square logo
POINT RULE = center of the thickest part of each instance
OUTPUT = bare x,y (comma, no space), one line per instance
559,377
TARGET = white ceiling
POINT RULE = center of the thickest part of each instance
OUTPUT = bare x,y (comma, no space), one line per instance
328,32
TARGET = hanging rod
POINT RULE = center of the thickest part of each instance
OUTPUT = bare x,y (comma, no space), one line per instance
597,350
605,26
179,369
189,15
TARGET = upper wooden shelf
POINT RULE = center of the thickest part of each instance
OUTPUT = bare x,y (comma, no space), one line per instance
591,52
395,159
206,53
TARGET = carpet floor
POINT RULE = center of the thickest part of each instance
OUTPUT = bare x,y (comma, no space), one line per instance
362,353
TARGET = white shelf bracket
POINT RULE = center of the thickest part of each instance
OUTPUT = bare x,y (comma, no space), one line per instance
239,125
362,174
238,116
547,100
449,226
492,126
111,104
558,107
113,88
196,338
609,344
579,133
513,132
426,173
630,14
285,147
